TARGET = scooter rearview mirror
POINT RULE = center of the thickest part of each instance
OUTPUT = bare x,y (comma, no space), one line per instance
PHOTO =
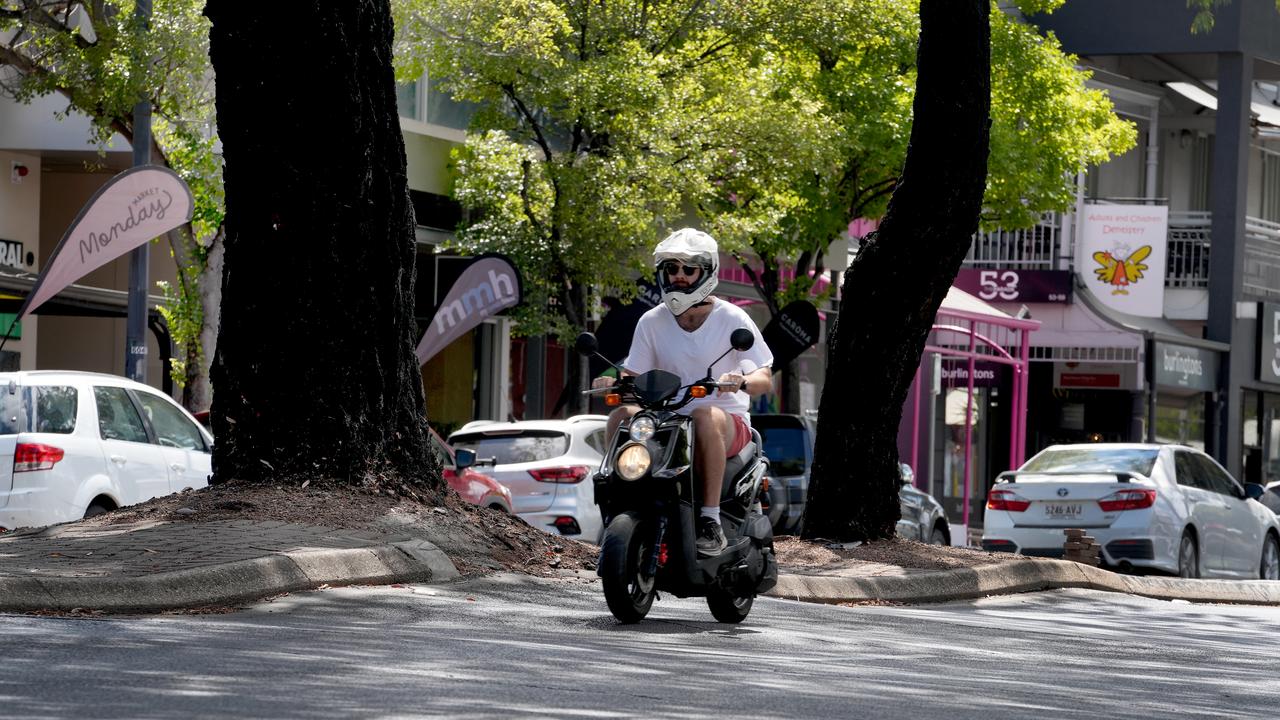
586,344
742,339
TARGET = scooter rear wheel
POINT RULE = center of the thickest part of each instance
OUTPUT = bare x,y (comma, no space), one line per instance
728,607
627,591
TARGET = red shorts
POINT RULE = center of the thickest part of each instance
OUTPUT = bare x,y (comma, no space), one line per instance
741,435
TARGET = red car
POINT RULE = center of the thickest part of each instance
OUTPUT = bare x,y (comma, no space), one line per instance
474,487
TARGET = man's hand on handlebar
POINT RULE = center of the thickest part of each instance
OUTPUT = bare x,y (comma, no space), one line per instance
730,382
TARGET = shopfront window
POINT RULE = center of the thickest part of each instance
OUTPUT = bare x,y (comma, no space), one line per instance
957,443
1180,419
1270,437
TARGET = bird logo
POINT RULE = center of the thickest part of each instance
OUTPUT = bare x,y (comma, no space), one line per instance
1119,272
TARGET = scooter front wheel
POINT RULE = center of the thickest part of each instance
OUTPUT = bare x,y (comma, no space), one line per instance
727,607
627,590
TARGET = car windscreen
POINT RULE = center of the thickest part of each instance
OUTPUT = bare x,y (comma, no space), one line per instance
1094,460
521,446
784,446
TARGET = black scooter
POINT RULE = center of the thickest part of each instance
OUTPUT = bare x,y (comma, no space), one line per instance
649,497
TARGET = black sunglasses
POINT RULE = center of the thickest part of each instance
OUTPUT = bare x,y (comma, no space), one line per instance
672,268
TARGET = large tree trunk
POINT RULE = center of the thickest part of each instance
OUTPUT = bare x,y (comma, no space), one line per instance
314,374
893,290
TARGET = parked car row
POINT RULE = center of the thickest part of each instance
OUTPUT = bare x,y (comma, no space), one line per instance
76,444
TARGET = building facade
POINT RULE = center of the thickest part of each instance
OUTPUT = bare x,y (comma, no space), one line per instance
1200,370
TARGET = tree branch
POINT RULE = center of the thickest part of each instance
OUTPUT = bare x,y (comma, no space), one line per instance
510,92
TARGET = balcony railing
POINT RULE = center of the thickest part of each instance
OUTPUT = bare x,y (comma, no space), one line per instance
1187,266
1188,250
1035,248
1261,256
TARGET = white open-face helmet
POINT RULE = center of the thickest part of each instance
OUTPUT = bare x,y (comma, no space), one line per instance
688,248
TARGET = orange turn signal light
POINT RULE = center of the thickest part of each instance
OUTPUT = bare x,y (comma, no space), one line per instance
698,391
612,399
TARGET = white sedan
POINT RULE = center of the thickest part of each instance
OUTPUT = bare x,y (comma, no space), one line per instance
1165,507
76,444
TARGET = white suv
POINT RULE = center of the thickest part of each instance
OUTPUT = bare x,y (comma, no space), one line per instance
76,444
547,465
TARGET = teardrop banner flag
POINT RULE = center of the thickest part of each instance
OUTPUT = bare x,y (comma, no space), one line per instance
132,208
489,285
792,331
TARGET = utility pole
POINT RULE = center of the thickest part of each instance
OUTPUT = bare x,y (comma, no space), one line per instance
135,346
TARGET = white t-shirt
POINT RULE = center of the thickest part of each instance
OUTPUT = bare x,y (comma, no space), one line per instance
660,343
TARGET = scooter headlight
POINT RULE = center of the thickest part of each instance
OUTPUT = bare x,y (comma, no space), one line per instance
642,428
633,462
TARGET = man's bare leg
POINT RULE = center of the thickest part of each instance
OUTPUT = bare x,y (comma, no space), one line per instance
713,432
616,419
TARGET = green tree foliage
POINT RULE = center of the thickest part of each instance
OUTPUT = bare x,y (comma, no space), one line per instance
776,122
97,56
599,120
858,58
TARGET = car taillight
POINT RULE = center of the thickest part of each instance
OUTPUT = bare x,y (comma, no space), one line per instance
34,456
571,474
1134,499
1007,500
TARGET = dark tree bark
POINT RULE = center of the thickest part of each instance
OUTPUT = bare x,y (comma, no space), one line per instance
900,277
314,374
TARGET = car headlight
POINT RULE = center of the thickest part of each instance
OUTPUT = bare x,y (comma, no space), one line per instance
633,462
642,428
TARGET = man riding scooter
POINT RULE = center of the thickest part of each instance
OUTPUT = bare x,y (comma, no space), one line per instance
685,335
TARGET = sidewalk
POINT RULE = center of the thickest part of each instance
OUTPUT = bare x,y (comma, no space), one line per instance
154,566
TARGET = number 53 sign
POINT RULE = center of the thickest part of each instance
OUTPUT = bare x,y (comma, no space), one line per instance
1009,285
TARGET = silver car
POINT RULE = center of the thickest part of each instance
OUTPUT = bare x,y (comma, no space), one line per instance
922,517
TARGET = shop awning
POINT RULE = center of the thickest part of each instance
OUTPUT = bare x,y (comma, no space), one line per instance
958,299
1157,329
79,300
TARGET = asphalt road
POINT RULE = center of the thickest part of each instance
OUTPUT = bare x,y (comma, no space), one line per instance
518,647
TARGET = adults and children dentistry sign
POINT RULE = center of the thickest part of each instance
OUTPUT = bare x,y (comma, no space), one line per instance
132,208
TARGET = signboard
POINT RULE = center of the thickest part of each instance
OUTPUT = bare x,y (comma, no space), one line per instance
1122,256
614,334
1182,366
489,285
1068,375
1269,342
955,373
792,331
1010,285
12,255
133,207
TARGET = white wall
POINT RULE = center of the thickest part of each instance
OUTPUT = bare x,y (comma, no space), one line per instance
34,127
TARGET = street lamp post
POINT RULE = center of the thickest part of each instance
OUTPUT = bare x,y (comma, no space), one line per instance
135,351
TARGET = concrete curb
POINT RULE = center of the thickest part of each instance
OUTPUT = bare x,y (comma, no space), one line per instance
230,583
1016,577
